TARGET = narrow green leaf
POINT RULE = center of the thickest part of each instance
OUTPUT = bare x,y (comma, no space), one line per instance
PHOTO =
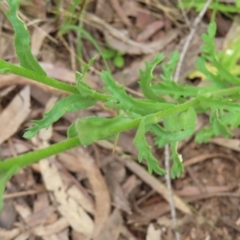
144,150
121,100
79,76
4,177
68,104
22,40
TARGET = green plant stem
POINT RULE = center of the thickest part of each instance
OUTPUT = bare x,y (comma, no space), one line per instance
23,72
32,157
156,117
227,92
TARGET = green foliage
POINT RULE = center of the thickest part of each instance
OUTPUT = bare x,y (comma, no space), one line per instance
4,177
115,56
144,150
68,104
22,40
91,129
215,5
168,110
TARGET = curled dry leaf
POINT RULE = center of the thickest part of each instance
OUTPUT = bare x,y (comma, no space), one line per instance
76,216
15,114
100,190
55,227
9,234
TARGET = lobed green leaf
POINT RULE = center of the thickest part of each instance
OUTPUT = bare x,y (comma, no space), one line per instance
176,128
121,100
144,150
68,104
168,69
146,77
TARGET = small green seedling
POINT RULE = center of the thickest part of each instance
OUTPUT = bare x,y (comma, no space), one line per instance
168,110
115,56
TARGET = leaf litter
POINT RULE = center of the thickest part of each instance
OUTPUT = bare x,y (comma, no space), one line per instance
80,195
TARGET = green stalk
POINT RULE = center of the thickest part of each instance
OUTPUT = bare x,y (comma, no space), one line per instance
23,72
33,157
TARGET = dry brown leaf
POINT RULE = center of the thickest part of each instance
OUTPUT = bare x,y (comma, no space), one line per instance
55,227
14,114
149,213
155,184
23,236
69,161
120,12
123,44
22,209
68,207
76,236
149,179
19,147
118,197
127,234
152,233
233,144
100,190
112,227
192,190
130,75
232,35
39,217
60,73
9,234
63,235
131,183
149,30
7,215
119,41
81,199
38,36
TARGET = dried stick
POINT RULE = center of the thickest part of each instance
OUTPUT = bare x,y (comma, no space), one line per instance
170,194
166,150
189,39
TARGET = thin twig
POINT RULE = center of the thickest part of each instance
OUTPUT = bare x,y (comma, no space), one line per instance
170,194
189,39
166,150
